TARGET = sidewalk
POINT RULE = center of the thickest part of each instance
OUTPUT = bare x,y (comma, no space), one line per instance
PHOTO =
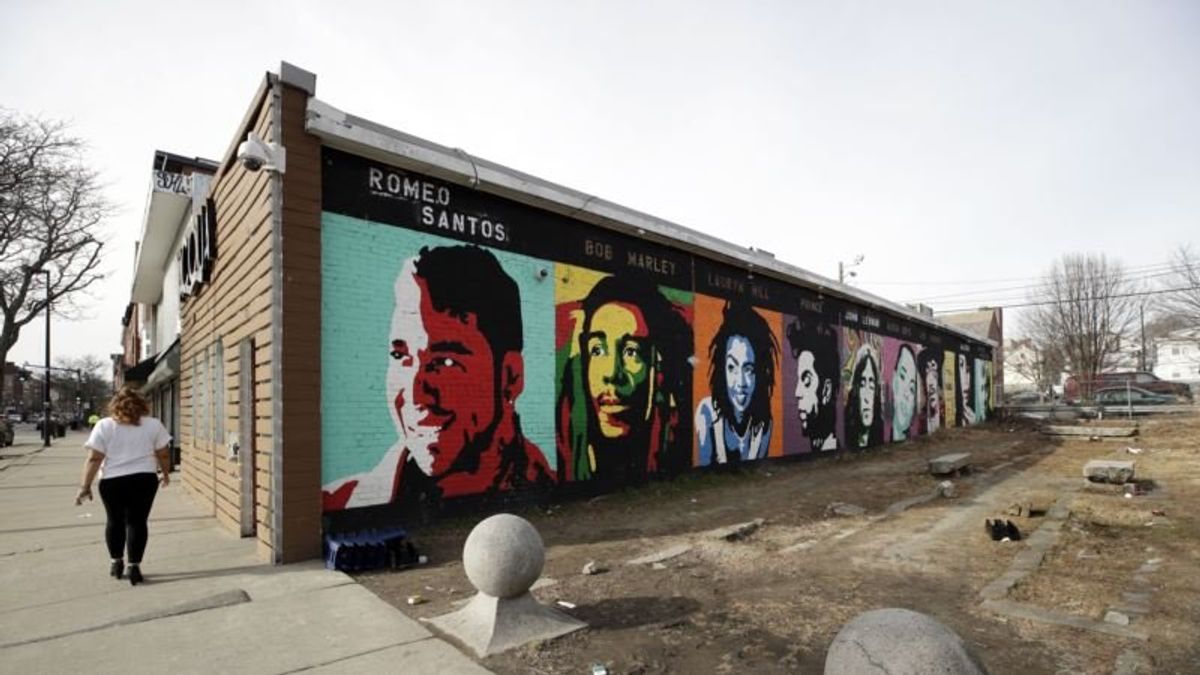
207,604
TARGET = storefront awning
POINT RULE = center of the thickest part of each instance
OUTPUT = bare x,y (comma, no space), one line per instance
166,368
140,372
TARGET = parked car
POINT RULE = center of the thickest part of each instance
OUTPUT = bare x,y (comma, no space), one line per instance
1125,396
7,435
1025,398
15,417
1137,378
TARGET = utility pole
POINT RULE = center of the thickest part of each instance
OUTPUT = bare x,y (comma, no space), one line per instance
1142,310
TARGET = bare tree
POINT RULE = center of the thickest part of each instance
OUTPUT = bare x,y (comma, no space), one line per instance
1085,308
1182,301
51,209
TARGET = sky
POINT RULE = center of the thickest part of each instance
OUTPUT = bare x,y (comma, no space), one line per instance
958,147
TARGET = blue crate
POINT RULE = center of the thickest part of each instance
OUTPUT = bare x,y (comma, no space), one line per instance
368,550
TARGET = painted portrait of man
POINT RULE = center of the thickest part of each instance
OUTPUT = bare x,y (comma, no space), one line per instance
455,370
624,385
929,368
733,423
814,346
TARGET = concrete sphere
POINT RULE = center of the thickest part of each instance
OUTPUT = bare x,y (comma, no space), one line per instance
900,642
503,556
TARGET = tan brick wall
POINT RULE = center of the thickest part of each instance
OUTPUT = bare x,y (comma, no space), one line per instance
233,306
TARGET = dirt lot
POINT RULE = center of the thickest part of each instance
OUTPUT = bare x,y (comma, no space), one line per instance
773,601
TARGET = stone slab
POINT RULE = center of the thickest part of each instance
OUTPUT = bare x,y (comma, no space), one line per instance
1019,610
1113,471
1089,432
736,532
659,556
949,463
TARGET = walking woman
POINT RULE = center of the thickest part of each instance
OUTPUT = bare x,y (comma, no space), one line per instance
126,447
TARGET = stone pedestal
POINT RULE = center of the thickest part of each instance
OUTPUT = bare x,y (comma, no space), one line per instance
503,557
491,625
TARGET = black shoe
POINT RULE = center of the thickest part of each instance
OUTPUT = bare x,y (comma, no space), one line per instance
995,529
117,569
135,575
1011,531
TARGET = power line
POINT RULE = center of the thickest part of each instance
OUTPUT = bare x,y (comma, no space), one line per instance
968,282
989,291
1060,302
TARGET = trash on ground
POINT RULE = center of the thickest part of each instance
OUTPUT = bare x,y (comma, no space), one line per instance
566,605
415,600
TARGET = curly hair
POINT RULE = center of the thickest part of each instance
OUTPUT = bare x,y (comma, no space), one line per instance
128,407
740,320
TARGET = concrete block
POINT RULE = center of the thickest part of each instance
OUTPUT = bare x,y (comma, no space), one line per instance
1109,471
1116,618
951,463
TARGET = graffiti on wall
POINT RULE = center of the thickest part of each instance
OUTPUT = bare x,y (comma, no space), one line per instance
456,362
622,349
737,374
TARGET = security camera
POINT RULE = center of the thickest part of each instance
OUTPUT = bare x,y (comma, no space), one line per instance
254,154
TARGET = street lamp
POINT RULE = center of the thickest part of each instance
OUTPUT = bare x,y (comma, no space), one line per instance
843,268
46,389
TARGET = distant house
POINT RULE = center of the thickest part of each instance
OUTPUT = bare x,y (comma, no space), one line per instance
1177,356
1022,366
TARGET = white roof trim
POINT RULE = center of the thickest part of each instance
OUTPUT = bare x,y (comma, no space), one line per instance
363,137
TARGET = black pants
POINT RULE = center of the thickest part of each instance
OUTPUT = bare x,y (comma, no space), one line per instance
127,500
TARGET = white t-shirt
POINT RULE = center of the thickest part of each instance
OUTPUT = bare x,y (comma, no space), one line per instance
128,448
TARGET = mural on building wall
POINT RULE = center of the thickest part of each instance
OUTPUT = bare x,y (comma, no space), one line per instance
448,369
736,377
862,416
950,394
441,306
983,389
929,370
812,378
623,349
902,393
964,389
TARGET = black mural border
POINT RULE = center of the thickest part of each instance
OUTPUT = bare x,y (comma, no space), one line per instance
347,189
